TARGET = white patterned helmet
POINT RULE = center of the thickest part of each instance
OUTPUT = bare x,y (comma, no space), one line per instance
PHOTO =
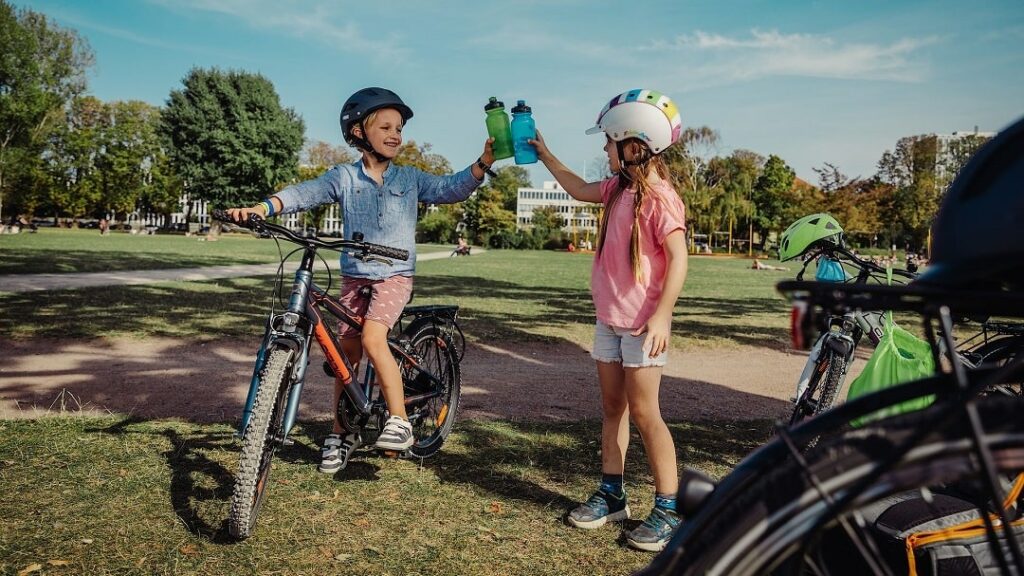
645,114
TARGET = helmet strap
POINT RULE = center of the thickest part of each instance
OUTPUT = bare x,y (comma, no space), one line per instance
364,144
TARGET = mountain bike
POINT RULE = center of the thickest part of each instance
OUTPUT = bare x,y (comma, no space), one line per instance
789,508
423,347
832,352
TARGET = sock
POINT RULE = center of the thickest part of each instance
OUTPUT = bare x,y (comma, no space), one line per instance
612,484
665,501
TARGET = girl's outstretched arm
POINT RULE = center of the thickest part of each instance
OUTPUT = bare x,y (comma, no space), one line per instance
659,326
577,187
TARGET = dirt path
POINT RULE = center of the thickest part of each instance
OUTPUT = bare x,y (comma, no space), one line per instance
167,378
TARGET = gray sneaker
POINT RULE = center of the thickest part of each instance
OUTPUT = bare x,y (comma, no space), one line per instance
335,452
655,532
600,509
396,435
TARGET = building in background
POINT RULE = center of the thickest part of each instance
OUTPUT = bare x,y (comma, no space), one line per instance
578,217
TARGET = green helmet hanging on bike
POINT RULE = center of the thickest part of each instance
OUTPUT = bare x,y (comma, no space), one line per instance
808,231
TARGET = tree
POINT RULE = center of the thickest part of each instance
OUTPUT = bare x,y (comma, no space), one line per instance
411,154
320,156
769,197
688,161
233,143
507,183
42,68
129,146
71,159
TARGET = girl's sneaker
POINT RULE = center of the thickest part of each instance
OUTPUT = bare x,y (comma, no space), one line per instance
655,532
396,435
600,509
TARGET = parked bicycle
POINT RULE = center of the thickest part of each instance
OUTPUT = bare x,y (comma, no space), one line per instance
422,344
819,238
935,491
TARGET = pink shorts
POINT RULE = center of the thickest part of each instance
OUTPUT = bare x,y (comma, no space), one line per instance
384,302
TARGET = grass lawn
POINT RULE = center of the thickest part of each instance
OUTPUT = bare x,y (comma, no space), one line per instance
112,495
724,302
54,250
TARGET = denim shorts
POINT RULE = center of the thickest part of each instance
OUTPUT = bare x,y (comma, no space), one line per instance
612,344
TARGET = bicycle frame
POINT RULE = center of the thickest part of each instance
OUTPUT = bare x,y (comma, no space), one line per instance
308,302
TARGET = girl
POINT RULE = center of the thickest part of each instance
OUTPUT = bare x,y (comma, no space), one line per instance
379,200
638,273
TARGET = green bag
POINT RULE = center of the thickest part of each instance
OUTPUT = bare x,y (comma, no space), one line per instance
900,357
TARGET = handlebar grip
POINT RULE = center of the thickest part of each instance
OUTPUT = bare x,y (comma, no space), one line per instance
387,252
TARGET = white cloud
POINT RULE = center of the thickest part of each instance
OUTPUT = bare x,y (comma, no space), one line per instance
723,59
319,20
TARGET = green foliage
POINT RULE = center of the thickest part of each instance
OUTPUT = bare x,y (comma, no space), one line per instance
42,68
233,143
770,196
420,156
439,224
507,183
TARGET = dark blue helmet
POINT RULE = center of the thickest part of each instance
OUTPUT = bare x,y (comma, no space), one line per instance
362,103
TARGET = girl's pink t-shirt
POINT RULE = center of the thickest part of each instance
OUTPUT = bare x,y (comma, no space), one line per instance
621,300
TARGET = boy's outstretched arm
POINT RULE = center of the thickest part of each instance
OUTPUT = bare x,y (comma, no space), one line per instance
577,187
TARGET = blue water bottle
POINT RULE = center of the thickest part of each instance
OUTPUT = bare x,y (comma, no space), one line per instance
523,129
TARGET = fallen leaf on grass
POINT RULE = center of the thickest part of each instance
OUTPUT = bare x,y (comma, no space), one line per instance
58,562
361,522
342,557
189,549
86,540
372,550
30,569
495,507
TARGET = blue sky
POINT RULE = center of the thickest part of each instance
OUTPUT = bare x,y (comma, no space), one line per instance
812,82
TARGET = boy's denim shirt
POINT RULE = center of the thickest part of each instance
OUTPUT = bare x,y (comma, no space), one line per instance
385,214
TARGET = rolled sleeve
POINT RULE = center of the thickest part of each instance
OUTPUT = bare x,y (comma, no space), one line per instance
434,189
311,193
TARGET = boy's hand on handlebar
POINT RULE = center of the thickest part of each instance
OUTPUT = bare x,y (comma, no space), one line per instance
240,215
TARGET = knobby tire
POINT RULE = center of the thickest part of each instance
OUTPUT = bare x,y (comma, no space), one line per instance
260,441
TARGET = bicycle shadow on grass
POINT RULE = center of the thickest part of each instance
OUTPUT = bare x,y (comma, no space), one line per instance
191,471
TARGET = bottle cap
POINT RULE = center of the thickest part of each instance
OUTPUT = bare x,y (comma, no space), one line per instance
494,104
521,108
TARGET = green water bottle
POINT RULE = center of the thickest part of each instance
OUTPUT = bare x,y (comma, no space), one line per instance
498,127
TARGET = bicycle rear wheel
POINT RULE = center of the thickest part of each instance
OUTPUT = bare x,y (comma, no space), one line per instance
780,522
435,387
997,352
262,437
821,392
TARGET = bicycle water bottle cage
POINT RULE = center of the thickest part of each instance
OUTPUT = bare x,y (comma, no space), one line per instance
829,270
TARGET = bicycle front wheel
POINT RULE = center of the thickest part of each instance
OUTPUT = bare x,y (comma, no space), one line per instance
262,437
821,392
433,389
784,520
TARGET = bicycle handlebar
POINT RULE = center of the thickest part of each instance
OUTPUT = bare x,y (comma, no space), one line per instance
362,250
853,259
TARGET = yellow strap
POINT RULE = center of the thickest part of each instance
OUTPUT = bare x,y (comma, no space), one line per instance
968,529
